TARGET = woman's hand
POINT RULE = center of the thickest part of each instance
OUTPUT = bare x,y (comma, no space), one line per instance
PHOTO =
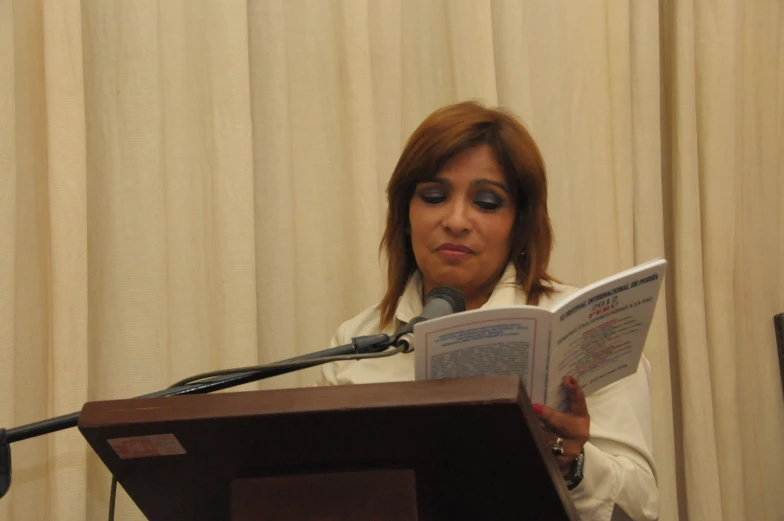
573,426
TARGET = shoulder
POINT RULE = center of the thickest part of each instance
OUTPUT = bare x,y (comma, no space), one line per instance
558,292
367,322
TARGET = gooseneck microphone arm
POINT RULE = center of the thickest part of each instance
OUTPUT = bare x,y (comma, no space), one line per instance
373,346
439,302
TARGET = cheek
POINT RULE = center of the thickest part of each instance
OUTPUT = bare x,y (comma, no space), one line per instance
420,239
500,236
422,220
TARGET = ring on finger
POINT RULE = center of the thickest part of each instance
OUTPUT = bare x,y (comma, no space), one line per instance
557,447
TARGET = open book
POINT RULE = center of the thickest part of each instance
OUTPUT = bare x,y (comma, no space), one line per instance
595,334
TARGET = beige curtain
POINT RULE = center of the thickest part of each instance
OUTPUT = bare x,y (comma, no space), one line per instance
188,185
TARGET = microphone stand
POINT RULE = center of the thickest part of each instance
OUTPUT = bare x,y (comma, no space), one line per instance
361,347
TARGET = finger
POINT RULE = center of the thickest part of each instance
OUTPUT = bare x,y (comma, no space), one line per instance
566,460
564,424
577,403
567,468
571,449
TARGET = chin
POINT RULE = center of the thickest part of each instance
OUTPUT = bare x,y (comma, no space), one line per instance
453,276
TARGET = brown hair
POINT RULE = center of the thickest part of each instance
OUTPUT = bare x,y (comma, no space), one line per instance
444,134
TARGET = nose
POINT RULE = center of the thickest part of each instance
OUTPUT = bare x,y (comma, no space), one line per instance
456,219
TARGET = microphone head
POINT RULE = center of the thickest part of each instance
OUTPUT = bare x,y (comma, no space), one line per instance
451,295
440,302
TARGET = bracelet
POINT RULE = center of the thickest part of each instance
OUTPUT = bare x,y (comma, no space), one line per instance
576,476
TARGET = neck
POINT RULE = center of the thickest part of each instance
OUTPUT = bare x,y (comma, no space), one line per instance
475,296
478,300
474,299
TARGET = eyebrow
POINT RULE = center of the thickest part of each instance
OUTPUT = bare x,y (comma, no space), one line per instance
479,182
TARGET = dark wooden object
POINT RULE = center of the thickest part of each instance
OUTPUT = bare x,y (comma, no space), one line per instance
375,495
778,326
451,450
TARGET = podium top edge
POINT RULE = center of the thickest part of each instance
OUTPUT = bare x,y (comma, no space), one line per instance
394,395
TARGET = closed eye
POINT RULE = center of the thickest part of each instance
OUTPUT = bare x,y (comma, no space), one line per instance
432,196
489,201
487,206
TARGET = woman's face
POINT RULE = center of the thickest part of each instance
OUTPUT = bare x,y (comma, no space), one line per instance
461,224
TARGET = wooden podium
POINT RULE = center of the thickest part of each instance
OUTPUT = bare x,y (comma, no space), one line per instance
441,450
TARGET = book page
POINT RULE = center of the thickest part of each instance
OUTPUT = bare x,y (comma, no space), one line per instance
599,333
507,340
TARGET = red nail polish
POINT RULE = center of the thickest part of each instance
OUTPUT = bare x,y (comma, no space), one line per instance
537,408
572,380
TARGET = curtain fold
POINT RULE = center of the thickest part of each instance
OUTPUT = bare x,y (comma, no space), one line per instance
64,187
190,185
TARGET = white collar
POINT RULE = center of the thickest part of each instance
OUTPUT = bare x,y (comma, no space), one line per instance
506,293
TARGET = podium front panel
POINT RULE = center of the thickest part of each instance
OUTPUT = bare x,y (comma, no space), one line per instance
474,445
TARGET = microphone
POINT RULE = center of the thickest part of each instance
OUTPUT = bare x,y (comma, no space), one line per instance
440,302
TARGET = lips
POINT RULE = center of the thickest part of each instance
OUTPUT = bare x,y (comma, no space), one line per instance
456,248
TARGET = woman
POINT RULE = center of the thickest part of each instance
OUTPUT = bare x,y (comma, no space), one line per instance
468,209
